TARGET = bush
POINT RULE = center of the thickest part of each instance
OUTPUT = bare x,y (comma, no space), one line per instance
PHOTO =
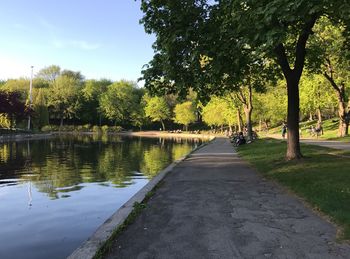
46,128
111,129
96,129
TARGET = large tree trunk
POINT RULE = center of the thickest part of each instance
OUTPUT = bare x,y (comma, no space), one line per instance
292,77
293,147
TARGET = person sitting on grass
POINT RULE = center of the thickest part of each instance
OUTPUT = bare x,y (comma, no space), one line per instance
240,140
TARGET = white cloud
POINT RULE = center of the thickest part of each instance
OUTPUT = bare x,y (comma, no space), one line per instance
61,42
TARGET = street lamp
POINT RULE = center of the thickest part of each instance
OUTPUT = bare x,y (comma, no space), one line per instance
30,94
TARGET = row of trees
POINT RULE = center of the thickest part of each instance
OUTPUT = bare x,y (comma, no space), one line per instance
66,95
230,47
60,96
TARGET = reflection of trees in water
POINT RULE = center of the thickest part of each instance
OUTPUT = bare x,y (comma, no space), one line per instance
12,162
154,160
59,166
179,151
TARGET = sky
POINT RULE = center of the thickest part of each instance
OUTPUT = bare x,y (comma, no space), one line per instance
99,38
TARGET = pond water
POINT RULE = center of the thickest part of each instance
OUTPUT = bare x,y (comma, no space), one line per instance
54,193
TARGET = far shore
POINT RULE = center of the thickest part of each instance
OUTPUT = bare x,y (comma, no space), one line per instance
164,134
146,134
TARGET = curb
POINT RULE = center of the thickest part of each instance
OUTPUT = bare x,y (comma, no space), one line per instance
89,248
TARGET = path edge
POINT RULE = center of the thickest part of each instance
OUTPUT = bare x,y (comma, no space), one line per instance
88,248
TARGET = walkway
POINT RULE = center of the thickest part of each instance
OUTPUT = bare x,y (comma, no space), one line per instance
319,142
213,205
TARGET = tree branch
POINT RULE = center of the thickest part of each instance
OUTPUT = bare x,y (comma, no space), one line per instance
334,85
300,50
282,59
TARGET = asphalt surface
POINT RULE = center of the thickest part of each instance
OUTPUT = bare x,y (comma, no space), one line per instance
213,205
319,142
328,143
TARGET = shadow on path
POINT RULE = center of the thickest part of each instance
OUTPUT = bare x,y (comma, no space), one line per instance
213,205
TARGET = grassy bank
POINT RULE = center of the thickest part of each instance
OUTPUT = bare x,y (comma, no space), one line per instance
330,129
322,178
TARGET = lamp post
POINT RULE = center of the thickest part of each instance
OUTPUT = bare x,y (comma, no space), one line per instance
30,94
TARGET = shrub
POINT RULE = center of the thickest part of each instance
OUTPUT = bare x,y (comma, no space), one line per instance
111,129
96,129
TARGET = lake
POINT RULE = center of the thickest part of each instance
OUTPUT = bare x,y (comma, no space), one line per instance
54,193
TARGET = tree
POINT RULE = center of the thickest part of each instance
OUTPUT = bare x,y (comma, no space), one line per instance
271,107
49,73
185,113
90,110
62,98
11,103
41,116
118,102
334,59
315,96
275,29
157,109
218,112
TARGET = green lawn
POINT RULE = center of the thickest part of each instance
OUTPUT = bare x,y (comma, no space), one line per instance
320,178
330,129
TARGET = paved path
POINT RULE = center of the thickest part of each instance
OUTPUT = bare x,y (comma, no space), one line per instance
328,143
213,205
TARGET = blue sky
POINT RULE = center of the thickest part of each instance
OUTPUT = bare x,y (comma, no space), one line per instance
99,38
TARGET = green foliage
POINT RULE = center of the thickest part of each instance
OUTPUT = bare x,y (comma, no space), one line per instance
315,94
219,111
271,106
111,129
96,129
63,97
41,117
49,74
157,109
185,113
4,121
119,101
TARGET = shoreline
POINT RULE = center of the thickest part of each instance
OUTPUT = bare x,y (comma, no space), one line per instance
146,134
89,248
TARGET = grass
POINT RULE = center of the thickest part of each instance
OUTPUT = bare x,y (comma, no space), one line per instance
322,178
330,129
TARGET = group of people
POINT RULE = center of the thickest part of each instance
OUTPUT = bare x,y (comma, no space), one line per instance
314,130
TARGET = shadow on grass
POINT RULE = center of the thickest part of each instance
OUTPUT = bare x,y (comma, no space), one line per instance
321,178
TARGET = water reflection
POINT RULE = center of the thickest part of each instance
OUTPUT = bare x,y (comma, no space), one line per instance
47,186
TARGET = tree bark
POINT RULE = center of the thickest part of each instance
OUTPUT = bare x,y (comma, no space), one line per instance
311,116
292,77
248,108
162,122
239,119
293,146
319,115
342,103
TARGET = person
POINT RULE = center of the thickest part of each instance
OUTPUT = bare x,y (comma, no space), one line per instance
240,139
284,130
319,128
